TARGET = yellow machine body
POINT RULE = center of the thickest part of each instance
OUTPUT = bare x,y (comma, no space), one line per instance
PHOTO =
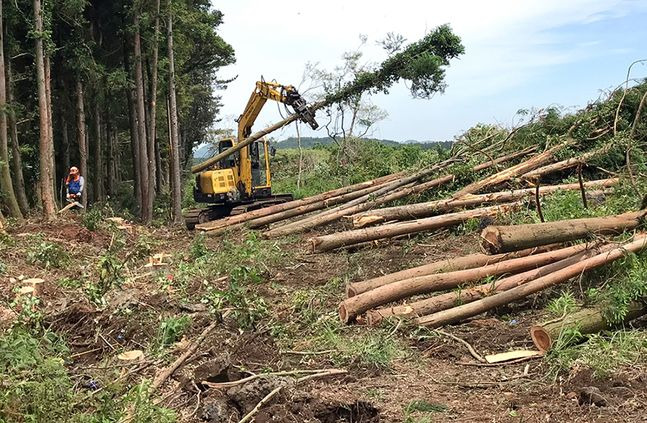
219,181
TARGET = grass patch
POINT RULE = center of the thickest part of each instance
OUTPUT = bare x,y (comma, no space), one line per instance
602,353
36,387
419,411
563,304
171,330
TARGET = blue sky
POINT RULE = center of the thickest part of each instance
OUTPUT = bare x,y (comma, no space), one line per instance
519,54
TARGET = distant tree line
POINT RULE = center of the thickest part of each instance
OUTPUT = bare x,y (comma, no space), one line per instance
311,142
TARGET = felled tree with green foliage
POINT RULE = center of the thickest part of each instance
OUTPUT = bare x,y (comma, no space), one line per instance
421,63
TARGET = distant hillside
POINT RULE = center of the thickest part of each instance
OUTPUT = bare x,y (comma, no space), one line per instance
207,150
310,142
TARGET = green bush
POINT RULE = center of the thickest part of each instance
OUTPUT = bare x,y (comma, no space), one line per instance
48,255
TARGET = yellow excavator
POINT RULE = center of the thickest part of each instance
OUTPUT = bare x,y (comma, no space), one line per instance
243,181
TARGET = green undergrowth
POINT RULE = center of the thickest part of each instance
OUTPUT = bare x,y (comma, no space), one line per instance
604,353
37,386
612,288
422,411
230,275
314,327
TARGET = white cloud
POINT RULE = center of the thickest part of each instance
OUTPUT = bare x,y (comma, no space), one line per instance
509,43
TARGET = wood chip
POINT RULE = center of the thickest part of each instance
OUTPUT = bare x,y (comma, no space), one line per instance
511,355
131,355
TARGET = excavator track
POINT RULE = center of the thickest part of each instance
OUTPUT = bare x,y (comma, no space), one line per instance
194,217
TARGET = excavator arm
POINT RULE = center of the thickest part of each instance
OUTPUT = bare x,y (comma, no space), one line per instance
285,94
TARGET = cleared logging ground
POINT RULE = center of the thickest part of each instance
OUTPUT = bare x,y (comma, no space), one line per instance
105,306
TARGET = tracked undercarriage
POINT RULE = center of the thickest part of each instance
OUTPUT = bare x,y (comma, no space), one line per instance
196,216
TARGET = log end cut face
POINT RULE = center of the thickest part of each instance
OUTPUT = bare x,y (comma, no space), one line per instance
491,240
541,338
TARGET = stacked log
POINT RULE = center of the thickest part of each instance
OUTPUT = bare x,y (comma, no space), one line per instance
344,239
459,263
389,194
462,312
329,196
448,300
420,210
527,273
350,308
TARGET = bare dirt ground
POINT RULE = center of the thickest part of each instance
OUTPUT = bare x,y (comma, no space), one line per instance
428,367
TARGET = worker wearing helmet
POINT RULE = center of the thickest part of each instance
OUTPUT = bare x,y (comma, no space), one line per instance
74,183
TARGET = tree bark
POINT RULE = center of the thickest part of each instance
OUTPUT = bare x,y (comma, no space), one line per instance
278,208
264,221
448,265
146,210
45,147
65,140
585,321
50,121
16,156
564,164
111,153
501,239
344,239
420,210
468,295
390,192
465,311
503,159
153,149
81,137
354,306
134,135
5,175
134,148
176,192
512,172
98,154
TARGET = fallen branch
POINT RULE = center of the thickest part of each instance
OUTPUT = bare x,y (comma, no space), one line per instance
465,311
225,385
275,391
469,346
166,373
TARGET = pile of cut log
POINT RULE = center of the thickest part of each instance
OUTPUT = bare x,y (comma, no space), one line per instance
527,261
361,206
